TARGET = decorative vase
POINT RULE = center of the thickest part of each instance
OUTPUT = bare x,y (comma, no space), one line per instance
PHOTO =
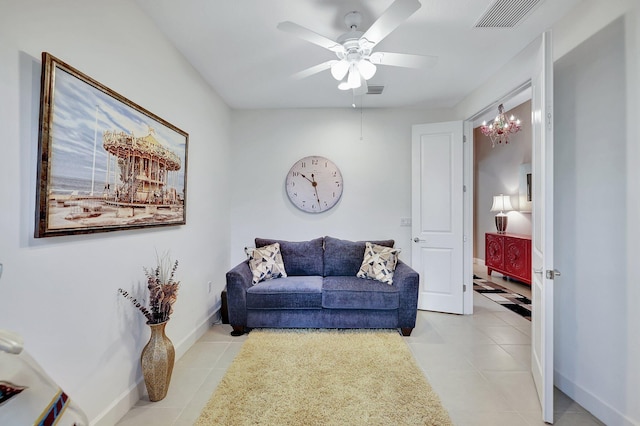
157,360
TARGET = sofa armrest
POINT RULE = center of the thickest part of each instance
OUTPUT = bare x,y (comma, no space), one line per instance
407,280
239,279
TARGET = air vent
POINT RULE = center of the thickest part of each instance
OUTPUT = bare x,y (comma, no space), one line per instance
506,13
375,90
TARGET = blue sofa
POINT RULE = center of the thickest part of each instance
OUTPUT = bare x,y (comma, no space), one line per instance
321,290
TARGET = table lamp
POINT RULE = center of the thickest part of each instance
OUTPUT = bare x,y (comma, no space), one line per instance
501,203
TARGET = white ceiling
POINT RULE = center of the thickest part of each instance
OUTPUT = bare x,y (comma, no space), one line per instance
236,47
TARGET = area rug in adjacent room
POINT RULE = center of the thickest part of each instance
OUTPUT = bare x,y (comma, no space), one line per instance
324,377
518,303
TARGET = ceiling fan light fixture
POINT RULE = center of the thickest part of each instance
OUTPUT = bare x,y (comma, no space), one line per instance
340,69
344,85
356,63
354,77
367,69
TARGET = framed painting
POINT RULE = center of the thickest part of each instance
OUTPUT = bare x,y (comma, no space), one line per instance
524,192
106,163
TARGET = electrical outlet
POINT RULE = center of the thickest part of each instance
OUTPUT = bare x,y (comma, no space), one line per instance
405,221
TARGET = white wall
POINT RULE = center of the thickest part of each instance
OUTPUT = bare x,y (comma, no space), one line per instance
596,328
597,334
497,171
376,171
60,293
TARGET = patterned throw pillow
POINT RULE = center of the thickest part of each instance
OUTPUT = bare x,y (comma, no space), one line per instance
379,263
266,263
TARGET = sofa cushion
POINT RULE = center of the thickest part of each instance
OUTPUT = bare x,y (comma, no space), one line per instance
342,257
300,257
286,293
266,263
379,263
355,293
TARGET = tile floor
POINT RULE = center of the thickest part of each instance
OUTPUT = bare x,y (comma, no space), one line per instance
479,365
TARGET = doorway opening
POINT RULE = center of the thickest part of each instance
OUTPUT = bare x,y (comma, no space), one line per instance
503,259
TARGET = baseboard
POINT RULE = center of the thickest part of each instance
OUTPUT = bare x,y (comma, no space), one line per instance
478,261
593,404
125,401
120,406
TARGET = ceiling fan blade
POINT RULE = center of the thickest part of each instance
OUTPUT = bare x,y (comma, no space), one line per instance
403,60
396,14
310,36
314,69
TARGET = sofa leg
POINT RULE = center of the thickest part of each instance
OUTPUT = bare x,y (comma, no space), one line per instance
238,330
406,331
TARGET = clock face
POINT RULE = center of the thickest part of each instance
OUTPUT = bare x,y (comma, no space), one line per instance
314,184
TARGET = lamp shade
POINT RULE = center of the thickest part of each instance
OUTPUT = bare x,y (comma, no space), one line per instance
501,203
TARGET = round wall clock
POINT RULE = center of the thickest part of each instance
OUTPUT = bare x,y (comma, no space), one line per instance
314,184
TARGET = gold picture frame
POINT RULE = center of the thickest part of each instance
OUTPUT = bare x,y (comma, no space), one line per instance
105,163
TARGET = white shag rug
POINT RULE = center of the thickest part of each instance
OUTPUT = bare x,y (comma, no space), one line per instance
324,377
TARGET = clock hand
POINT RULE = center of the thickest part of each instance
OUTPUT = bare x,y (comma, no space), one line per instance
307,178
315,188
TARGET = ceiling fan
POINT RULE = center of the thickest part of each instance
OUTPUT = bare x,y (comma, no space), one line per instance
356,61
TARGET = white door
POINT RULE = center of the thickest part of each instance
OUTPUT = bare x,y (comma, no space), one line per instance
542,241
437,215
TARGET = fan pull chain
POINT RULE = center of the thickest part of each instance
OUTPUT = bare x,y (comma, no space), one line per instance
361,116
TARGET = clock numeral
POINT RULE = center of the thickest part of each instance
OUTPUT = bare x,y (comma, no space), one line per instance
334,195
338,183
303,164
295,174
334,174
314,162
295,194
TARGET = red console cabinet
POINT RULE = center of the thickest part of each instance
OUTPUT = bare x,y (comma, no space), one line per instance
509,254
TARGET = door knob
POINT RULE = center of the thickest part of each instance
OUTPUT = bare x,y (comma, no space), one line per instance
417,240
551,274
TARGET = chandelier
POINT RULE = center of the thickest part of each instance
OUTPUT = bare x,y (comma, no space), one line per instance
501,128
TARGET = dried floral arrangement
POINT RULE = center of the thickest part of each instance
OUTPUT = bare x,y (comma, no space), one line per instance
163,290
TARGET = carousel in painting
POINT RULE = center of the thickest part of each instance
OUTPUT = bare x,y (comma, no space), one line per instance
139,171
139,187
